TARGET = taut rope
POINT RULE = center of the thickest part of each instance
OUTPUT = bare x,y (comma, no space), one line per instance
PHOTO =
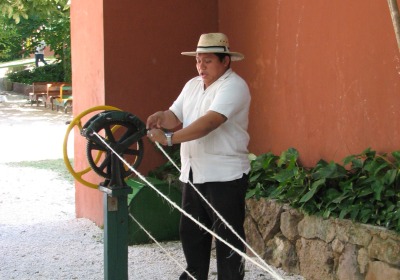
264,266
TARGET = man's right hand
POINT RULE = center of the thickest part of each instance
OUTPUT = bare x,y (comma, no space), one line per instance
155,120
162,119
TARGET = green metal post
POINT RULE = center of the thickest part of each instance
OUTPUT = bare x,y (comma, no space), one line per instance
116,232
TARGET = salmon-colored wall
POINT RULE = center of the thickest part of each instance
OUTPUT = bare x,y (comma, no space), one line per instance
324,75
88,85
127,55
144,69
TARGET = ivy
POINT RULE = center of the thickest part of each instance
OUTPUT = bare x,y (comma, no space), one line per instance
365,188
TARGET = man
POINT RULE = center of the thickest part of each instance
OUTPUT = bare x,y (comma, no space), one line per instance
213,109
39,53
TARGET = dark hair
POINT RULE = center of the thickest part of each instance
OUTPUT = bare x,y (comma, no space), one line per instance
221,56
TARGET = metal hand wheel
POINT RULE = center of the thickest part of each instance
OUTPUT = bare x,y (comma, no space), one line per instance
122,131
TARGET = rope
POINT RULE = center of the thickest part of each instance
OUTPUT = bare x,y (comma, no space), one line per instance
270,270
265,268
162,248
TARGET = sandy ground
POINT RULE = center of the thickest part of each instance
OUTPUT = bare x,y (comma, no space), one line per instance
40,238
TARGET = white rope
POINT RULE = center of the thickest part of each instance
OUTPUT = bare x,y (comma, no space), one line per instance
267,268
162,248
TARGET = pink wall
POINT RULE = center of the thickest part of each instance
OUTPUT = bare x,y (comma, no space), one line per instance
324,75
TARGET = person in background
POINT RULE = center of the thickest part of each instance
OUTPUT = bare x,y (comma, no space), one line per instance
39,53
213,109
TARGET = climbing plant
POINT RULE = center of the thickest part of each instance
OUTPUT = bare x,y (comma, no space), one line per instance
365,188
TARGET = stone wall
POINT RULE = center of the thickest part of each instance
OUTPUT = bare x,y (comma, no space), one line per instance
22,88
6,84
319,248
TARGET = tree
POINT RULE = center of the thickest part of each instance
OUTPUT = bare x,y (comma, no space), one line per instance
37,20
10,40
18,9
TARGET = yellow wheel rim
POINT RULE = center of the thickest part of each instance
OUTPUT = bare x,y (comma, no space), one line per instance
77,122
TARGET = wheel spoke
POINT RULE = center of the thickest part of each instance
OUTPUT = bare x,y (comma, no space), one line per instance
109,134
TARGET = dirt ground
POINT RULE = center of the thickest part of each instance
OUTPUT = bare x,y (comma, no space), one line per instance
30,132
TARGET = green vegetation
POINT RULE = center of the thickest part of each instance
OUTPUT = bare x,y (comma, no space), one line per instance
24,24
364,189
48,73
168,172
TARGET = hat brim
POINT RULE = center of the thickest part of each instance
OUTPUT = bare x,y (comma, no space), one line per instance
235,56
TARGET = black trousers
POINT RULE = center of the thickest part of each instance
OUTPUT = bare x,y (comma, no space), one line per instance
228,198
39,57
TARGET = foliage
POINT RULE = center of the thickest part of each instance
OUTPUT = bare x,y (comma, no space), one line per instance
22,9
47,73
10,40
32,21
364,189
167,171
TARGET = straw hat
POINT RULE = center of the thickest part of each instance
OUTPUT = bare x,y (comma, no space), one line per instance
214,43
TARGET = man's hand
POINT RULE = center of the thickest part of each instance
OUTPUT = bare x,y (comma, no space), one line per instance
157,135
162,119
155,120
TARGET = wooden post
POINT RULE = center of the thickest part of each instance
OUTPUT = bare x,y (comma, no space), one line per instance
394,12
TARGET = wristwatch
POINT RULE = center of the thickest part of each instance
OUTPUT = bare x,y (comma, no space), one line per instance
169,138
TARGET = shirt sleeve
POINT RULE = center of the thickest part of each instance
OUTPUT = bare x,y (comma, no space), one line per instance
231,97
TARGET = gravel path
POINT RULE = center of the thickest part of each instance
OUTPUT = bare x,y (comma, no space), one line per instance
40,238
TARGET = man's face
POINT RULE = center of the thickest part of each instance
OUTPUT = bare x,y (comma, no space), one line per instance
210,68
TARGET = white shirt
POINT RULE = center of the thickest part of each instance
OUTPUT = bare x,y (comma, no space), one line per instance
221,155
40,48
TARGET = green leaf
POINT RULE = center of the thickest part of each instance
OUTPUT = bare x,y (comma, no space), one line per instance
314,188
365,191
354,212
255,177
333,194
377,187
289,158
332,170
390,177
285,175
294,193
326,213
396,155
251,193
375,166
365,215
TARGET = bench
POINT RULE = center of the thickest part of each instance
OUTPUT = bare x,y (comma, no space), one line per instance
64,100
43,91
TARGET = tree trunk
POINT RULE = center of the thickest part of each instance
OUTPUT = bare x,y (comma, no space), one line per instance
394,12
